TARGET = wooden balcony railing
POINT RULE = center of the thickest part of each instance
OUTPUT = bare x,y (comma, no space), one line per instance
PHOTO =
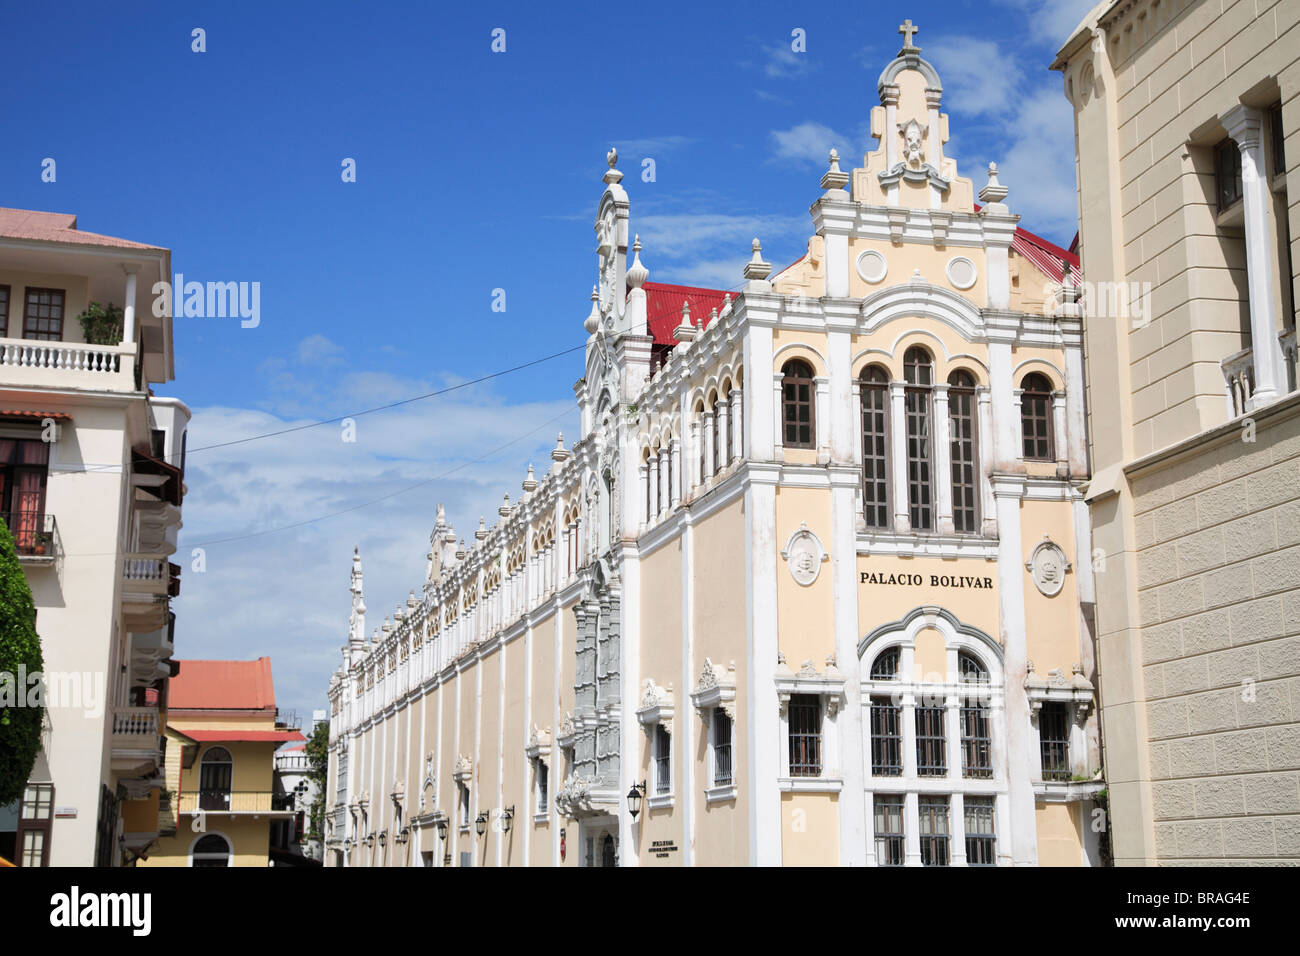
235,801
35,534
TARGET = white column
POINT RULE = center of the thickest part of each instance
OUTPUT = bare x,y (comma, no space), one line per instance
889,97
957,827
987,510
675,451
898,456
1058,427
943,459
1245,124
656,492
724,432
1075,412
762,740
685,729
1005,418
644,485
707,437
759,417
1019,734
778,429
694,453
822,417
128,310
851,727
736,431
844,425
911,830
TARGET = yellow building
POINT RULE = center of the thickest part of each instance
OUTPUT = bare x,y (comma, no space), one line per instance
222,733
810,588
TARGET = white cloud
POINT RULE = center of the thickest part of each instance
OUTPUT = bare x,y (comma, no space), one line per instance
285,593
1051,21
780,60
810,142
685,235
650,146
978,78
318,350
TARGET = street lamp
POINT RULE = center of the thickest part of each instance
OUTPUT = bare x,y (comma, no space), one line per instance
634,797
442,828
480,824
507,816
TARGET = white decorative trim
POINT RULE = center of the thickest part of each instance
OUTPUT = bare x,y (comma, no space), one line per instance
810,784
660,801
951,269
716,689
656,705
872,266
720,794
1067,791
539,744
463,772
828,684
1077,690
803,554
567,735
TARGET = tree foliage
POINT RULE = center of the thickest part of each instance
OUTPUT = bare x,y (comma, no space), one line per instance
318,756
21,712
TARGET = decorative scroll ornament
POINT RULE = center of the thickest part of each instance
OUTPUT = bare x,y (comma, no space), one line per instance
463,770
804,554
1048,566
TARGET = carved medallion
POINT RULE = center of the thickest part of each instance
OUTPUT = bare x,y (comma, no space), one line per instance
1048,565
804,555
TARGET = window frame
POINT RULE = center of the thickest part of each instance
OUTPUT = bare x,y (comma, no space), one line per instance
36,335
1043,439
928,807
1053,751
804,735
874,381
935,742
918,417
39,825
717,748
798,392
983,843
896,840
963,452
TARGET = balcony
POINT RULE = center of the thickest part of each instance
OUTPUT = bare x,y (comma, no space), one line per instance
137,740
145,574
35,534
250,802
101,368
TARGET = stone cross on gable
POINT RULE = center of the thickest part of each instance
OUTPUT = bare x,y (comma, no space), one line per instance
908,30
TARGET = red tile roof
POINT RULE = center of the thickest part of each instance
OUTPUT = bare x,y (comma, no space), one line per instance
1048,256
663,307
222,685
23,413
57,227
221,736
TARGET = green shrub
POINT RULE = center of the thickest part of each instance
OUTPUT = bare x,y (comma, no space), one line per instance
101,325
20,650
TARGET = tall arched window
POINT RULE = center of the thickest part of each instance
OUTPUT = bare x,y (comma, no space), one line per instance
701,438
918,372
874,384
216,773
649,486
1036,417
724,426
961,416
666,475
797,404
211,850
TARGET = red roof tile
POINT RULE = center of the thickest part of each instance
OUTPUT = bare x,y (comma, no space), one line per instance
57,227
222,685
663,306
24,413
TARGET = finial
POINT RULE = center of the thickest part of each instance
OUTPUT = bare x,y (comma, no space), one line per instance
481,533
612,176
460,551
834,177
713,316
685,330
756,268
504,510
726,305
637,273
908,30
592,322
530,483
559,453
994,191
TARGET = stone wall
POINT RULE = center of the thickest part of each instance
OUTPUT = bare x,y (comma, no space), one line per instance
1218,540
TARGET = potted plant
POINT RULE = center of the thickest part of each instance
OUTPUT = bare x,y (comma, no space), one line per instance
101,325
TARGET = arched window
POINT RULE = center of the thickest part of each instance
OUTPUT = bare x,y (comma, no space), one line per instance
211,850
961,420
714,427
797,404
1036,417
885,666
649,487
701,438
874,384
723,424
608,851
971,669
216,771
666,475
976,736
918,372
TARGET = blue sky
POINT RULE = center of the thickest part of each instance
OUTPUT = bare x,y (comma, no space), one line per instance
476,171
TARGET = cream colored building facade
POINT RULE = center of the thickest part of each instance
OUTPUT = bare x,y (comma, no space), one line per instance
92,479
1186,118
810,588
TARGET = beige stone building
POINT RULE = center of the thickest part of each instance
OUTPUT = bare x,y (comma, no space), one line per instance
809,588
1186,118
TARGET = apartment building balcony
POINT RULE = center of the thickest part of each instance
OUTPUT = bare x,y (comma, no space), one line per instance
251,803
137,742
62,365
35,534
